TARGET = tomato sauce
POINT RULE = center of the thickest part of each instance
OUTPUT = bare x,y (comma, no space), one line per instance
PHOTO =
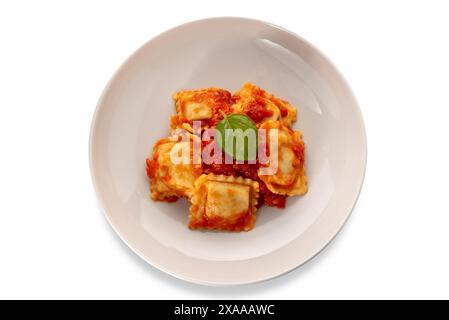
246,219
298,150
283,110
151,168
257,110
217,100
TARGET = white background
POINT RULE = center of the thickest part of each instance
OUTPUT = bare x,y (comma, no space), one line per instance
55,59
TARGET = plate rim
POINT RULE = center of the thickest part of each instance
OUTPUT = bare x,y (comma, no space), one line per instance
328,241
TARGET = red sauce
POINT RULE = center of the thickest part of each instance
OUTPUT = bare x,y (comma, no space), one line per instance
151,168
281,105
216,115
283,110
217,96
246,220
171,199
298,150
271,199
217,100
257,110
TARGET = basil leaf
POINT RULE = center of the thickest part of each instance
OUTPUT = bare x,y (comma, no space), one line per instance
238,136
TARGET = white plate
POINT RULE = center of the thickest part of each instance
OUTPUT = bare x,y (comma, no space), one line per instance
134,112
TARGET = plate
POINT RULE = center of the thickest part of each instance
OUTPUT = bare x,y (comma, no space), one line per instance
134,110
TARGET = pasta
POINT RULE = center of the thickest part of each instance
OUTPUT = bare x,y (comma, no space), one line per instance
170,181
201,105
226,195
262,106
223,203
290,178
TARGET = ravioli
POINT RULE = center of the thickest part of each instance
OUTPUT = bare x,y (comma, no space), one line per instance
200,105
223,203
290,177
225,195
170,181
262,106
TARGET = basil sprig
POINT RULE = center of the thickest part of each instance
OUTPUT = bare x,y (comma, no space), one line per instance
235,129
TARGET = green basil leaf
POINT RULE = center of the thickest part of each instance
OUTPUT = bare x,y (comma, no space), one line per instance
238,136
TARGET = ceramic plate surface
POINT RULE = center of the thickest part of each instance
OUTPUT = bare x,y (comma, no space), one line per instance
134,112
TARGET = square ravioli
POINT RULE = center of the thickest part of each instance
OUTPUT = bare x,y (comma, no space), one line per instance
290,177
223,203
203,105
170,181
262,106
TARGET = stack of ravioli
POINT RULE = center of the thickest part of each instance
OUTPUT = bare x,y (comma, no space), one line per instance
228,201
